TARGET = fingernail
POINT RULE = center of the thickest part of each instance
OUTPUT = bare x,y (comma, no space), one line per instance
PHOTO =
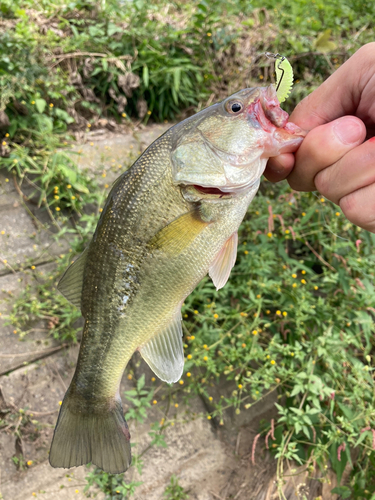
348,129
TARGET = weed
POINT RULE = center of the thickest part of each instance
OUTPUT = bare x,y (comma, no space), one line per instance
174,491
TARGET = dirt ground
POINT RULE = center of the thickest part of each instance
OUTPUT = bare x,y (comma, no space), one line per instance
212,462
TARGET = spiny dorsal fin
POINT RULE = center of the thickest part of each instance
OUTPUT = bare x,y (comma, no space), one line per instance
164,353
179,234
224,261
70,284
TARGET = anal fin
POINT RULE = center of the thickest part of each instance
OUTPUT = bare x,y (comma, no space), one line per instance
224,261
164,353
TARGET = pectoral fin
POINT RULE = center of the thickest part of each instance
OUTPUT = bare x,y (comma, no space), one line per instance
70,284
164,353
179,234
222,265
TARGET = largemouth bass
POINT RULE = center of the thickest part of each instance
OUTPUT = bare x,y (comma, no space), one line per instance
168,221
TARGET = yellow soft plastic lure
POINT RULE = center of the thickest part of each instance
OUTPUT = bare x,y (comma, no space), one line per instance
284,76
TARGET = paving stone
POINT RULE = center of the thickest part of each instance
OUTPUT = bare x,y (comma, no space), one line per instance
14,350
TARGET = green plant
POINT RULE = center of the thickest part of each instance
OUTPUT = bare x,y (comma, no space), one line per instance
113,486
174,491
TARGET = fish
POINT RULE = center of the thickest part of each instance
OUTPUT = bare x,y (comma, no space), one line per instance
168,221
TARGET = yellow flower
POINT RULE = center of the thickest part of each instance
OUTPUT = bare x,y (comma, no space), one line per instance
91,143
100,210
292,353
7,135
294,285
106,186
189,356
181,382
176,405
33,267
130,376
322,200
255,332
188,374
287,231
154,402
76,491
123,115
261,77
303,214
240,386
57,209
294,275
149,112
205,346
7,180
60,403
208,34
196,312
205,358
303,282
303,272
73,197
278,313
244,345
285,313
246,252
273,362
243,314
268,311
216,316
192,337
56,197
2,232
209,417
4,143
257,213
269,235
69,186
316,287
51,105
89,125
258,296
337,214
210,398
29,462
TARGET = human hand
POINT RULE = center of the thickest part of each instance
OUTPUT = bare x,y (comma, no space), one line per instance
333,158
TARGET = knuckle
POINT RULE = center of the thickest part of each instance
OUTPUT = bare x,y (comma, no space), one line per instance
322,182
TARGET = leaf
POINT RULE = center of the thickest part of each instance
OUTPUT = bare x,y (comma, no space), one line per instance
362,437
60,113
70,174
112,29
338,466
323,43
40,105
145,76
80,187
343,491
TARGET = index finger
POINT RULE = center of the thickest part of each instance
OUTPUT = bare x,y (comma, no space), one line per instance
340,94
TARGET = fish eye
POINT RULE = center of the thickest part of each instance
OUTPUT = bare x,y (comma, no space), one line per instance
234,107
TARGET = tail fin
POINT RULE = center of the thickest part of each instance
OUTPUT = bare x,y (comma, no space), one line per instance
100,437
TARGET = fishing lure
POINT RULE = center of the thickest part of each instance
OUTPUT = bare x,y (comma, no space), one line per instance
284,76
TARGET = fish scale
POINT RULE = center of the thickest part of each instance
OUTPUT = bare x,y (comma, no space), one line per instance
168,221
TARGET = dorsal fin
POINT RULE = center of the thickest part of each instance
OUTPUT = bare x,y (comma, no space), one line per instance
164,353
71,282
224,261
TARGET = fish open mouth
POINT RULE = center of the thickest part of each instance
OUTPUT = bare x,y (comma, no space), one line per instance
211,190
